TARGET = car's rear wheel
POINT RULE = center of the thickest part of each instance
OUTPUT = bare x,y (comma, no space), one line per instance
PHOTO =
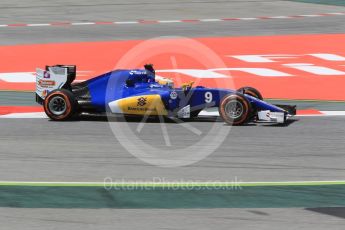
251,91
60,105
235,109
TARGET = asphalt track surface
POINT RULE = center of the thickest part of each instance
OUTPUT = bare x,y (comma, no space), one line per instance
40,150
84,11
88,151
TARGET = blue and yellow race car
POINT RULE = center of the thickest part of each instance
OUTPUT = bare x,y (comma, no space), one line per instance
139,92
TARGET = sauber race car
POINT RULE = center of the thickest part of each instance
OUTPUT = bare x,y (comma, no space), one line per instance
140,92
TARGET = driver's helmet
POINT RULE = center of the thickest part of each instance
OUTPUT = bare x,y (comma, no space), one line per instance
150,73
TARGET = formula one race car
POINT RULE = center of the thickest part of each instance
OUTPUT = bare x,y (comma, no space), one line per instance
140,92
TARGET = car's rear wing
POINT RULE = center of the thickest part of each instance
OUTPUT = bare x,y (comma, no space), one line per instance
53,77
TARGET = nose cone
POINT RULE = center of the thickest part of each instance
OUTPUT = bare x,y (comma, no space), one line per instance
115,107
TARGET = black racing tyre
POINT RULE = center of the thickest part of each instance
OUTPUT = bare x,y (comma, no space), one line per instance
60,105
235,109
251,91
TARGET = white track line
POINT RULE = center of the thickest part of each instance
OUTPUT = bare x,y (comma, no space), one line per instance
82,23
202,113
323,113
173,21
280,17
129,22
310,15
42,24
25,115
333,113
171,183
210,20
246,19
169,21
336,13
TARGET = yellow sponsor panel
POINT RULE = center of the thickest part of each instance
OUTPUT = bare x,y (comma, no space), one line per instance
143,105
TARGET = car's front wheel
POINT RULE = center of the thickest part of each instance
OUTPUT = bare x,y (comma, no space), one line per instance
60,105
235,109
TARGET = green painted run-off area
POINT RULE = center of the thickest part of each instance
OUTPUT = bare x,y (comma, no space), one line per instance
326,2
306,196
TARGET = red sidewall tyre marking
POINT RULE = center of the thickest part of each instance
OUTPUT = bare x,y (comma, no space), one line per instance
245,109
68,106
